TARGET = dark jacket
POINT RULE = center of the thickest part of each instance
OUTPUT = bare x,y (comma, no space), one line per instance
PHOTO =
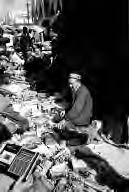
25,42
81,110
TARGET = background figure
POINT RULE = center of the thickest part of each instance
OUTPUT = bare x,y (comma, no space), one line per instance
16,41
25,42
3,41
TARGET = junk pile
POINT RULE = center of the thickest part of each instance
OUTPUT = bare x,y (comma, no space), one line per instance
61,168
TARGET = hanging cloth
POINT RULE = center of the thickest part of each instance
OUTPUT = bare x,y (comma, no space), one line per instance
50,6
42,6
61,4
55,6
33,9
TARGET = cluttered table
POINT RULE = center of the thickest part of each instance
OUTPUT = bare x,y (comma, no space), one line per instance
58,169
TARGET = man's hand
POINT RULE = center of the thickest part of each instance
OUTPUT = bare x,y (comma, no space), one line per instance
61,125
21,186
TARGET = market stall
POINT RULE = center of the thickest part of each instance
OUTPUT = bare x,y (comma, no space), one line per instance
59,167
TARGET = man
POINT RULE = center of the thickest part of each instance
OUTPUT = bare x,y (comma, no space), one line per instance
81,110
77,118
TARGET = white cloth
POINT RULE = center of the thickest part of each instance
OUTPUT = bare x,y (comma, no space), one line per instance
16,59
116,157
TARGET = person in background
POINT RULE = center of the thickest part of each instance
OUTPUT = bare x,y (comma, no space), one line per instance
25,41
16,40
3,41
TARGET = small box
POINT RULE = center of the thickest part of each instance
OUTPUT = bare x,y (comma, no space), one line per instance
16,161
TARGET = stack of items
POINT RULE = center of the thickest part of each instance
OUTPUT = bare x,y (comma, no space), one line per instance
35,107
63,172
58,169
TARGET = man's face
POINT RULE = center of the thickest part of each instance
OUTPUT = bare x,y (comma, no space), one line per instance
73,82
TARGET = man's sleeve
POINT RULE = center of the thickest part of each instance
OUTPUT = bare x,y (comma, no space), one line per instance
80,102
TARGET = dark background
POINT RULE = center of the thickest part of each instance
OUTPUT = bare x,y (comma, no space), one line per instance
96,44
93,40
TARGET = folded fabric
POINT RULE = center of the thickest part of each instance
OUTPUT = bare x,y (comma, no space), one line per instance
17,118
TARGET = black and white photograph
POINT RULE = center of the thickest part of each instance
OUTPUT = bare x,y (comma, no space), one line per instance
64,97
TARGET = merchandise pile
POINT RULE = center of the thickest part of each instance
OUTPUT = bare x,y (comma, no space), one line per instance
58,169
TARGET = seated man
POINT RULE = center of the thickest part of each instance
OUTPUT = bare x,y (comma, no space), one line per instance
78,113
81,110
